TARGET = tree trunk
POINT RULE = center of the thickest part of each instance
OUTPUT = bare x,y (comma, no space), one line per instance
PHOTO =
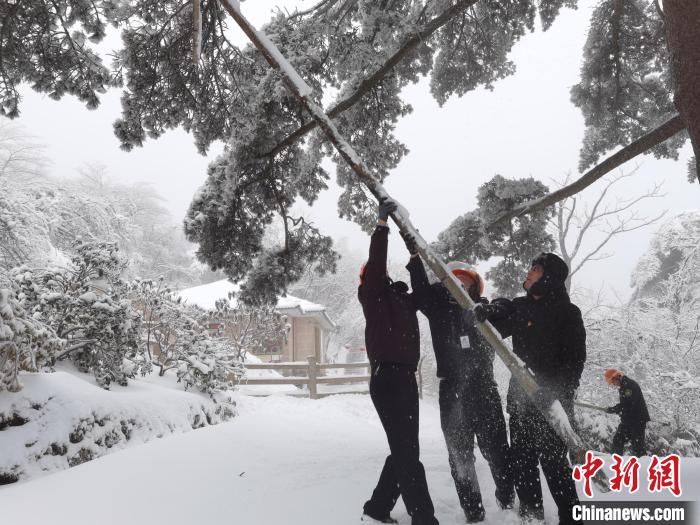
683,34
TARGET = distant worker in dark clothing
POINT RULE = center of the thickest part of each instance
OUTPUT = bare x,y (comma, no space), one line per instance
469,402
633,412
393,348
549,336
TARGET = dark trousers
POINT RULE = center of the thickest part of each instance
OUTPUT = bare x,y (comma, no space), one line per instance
632,433
471,409
533,441
395,396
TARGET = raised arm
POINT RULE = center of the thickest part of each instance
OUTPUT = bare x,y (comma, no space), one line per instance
422,291
374,277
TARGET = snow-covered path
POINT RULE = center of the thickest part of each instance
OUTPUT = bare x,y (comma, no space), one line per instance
282,461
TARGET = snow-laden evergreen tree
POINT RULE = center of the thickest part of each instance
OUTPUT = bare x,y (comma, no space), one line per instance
626,79
364,51
85,304
26,344
515,242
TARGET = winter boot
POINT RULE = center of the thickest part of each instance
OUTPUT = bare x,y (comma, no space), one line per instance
531,515
505,503
424,520
475,515
366,518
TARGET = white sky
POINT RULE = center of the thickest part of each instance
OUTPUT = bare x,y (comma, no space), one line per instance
525,127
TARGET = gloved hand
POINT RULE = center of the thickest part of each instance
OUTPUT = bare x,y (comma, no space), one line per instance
543,397
386,206
483,311
410,242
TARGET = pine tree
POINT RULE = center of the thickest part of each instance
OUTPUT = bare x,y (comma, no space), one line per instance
516,242
365,51
625,78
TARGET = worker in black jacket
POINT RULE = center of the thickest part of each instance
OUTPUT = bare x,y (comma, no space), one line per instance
469,402
633,412
393,348
549,336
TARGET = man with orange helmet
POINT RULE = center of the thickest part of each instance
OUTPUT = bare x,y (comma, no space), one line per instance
469,402
633,412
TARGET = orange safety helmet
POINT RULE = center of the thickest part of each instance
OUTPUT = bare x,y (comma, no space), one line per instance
461,270
611,374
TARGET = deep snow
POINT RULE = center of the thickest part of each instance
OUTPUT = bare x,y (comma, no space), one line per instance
69,419
283,460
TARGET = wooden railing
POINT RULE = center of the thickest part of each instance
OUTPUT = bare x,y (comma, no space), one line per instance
313,377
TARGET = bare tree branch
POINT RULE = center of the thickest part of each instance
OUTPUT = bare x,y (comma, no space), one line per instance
643,144
600,212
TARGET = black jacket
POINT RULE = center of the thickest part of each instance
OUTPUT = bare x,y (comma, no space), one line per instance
632,407
549,336
391,331
469,358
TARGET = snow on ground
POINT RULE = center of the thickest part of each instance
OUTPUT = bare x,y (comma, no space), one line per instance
263,390
61,419
282,461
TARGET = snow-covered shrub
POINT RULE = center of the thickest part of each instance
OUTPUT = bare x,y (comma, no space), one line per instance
176,337
168,326
86,306
210,366
25,343
662,438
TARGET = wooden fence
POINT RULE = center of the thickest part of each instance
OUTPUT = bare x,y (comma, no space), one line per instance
313,376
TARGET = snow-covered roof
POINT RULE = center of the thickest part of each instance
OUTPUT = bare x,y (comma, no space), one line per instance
206,295
289,302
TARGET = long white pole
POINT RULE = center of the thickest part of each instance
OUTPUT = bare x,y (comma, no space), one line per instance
554,414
